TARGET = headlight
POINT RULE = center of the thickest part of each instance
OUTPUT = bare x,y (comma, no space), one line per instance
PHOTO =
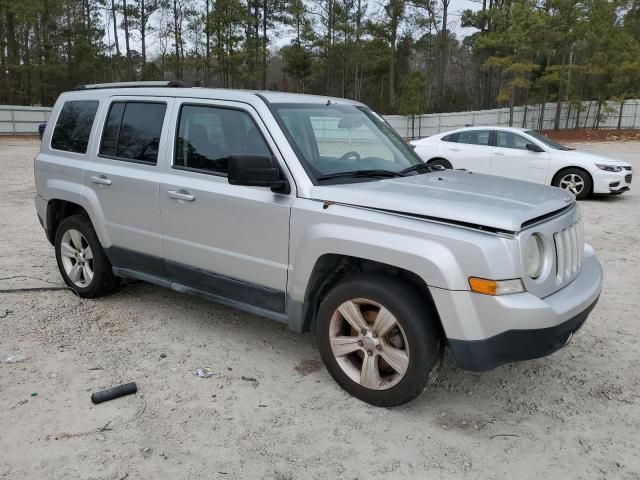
533,256
609,168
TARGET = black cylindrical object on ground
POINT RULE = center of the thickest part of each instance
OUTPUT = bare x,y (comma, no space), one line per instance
115,392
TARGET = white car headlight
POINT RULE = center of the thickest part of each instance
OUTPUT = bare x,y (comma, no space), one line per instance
533,256
609,168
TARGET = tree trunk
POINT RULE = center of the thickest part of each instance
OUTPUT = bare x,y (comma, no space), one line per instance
265,13
115,26
176,34
586,118
556,123
620,114
443,49
356,85
329,48
542,109
12,57
207,33
143,38
513,100
394,24
125,25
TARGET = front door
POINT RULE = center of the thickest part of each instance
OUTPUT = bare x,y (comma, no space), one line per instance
228,240
511,158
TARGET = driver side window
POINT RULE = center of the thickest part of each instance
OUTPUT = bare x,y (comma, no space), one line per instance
511,140
207,136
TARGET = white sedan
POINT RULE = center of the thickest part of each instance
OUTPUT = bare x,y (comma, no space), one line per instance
526,155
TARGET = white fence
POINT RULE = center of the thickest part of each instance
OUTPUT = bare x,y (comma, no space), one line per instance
20,120
424,125
25,120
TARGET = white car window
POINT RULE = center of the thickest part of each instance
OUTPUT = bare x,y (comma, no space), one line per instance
474,137
511,140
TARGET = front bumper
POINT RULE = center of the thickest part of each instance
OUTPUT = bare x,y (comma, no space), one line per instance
491,331
612,182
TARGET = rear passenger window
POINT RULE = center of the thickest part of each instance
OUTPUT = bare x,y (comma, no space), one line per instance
132,131
207,136
452,137
74,126
474,137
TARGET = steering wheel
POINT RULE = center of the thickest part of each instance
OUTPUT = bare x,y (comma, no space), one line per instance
349,154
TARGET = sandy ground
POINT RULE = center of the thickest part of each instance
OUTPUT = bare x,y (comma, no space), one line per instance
572,415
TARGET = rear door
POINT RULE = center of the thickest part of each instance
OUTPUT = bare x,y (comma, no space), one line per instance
123,177
469,149
511,158
229,240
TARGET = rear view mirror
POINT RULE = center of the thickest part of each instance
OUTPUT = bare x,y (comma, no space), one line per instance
256,171
534,148
350,122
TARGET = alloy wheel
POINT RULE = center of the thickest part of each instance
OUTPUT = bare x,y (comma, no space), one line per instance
572,182
77,258
369,344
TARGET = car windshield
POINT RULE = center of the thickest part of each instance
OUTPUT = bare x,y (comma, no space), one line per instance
546,140
334,139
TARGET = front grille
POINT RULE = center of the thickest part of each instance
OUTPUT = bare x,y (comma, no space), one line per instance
569,252
627,168
628,178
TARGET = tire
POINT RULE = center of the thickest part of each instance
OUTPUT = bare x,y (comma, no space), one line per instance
441,162
415,335
575,180
72,259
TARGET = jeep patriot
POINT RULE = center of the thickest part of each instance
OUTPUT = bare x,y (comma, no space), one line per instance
312,211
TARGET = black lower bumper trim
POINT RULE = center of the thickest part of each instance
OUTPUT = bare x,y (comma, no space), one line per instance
515,345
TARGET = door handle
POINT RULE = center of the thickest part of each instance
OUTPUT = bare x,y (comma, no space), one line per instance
101,180
181,195
454,149
498,153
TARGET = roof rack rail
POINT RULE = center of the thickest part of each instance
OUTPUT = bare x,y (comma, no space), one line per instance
166,84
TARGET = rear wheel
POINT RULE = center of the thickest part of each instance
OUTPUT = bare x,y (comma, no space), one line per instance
575,180
378,338
441,162
81,259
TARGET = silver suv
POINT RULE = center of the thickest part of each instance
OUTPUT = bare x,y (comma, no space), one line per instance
312,211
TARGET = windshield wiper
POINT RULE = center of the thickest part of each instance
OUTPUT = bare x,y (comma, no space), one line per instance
372,173
420,167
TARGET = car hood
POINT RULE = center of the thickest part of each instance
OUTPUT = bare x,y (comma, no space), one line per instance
591,158
451,195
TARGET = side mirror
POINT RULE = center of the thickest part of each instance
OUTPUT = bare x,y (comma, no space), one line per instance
256,171
534,148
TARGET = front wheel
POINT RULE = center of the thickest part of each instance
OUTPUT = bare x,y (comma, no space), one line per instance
575,180
379,339
442,163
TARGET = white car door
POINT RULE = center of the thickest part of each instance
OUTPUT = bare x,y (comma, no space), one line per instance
469,149
511,158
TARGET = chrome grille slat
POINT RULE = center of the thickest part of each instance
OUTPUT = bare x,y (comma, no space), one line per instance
569,244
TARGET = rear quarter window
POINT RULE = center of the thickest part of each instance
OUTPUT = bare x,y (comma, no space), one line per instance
73,127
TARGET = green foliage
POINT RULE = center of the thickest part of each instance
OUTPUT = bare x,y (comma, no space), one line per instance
394,55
